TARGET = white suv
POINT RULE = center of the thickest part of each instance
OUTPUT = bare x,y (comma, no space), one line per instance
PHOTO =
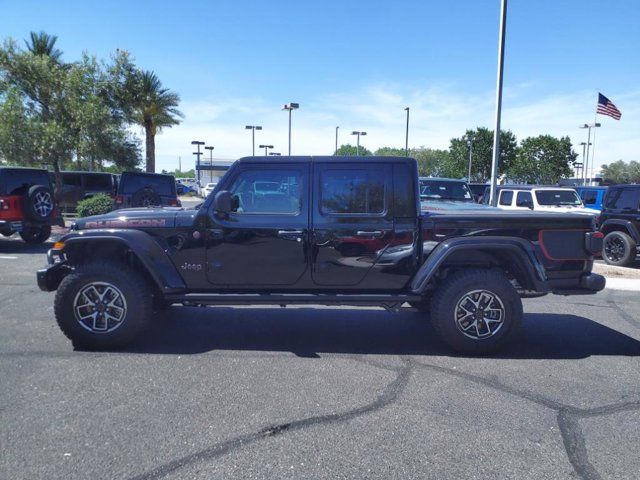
545,199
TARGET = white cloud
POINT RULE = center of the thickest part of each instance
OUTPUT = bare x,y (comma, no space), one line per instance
438,113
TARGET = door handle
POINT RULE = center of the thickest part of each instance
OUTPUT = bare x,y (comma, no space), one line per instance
216,233
372,234
291,234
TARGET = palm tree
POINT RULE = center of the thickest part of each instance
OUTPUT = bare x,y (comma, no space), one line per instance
44,44
154,108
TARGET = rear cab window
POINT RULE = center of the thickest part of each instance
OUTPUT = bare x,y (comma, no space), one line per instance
163,185
524,199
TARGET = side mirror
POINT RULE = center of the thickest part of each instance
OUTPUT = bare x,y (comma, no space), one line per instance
222,202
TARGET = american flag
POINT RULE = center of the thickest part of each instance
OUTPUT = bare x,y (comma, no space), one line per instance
606,107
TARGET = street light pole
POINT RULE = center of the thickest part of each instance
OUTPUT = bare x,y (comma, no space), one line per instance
337,140
290,106
470,145
266,147
496,133
406,138
585,168
358,142
253,129
197,154
210,148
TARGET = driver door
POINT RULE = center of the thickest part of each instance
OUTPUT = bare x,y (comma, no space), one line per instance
263,241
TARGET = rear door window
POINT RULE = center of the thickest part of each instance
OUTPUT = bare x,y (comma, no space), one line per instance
589,197
524,199
506,197
356,191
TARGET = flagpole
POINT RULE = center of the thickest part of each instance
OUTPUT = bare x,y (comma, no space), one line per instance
593,151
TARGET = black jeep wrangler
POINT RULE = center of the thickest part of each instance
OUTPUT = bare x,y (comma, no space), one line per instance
620,223
27,204
271,233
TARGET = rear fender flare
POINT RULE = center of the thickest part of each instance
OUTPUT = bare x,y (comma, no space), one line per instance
149,252
625,224
521,250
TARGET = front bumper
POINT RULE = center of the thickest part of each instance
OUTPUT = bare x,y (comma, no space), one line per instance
49,278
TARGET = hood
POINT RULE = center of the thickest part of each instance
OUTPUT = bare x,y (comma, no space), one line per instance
138,218
448,205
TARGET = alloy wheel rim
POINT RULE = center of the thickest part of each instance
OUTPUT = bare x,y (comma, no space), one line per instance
614,249
479,314
100,307
43,203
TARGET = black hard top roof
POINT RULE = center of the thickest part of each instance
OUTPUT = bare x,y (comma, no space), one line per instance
323,158
442,179
626,185
23,169
148,174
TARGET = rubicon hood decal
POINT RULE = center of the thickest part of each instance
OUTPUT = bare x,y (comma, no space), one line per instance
127,223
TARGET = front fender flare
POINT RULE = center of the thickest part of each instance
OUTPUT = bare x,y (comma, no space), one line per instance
144,247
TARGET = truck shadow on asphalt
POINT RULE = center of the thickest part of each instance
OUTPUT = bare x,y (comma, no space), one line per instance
309,333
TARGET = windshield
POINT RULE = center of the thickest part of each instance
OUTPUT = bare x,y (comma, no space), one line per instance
445,190
558,198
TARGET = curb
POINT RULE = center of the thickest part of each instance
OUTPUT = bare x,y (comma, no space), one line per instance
627,284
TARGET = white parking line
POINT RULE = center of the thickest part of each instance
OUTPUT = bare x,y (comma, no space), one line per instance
6,257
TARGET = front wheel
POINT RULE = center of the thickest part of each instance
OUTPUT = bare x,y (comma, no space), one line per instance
36,235
102,305
476,311
619,249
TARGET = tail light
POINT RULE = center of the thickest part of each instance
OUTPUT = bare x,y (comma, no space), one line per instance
173,203
593,242
119,199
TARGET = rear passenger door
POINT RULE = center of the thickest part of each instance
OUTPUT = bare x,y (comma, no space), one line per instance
353,227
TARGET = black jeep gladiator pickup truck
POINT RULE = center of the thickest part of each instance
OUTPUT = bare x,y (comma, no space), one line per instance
318,230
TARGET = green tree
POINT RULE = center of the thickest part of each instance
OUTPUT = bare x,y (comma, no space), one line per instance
55,113
429,159
622,172
154,108
350,151
43,44
457,164
543,160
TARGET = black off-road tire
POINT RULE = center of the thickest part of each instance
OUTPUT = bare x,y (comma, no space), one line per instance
135,290
444,306
624,249
36,235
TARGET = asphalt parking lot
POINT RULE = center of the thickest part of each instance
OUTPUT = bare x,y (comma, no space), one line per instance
317,393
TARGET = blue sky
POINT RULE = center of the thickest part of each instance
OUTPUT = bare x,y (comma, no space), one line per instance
358,64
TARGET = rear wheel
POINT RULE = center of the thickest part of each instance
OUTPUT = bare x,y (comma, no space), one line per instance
476,311
619,249
103,305
36,235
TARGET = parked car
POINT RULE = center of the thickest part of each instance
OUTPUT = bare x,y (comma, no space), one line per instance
592,197
78,186
620,223
469,269
446,193
208,189
27,204
538,198
136,189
